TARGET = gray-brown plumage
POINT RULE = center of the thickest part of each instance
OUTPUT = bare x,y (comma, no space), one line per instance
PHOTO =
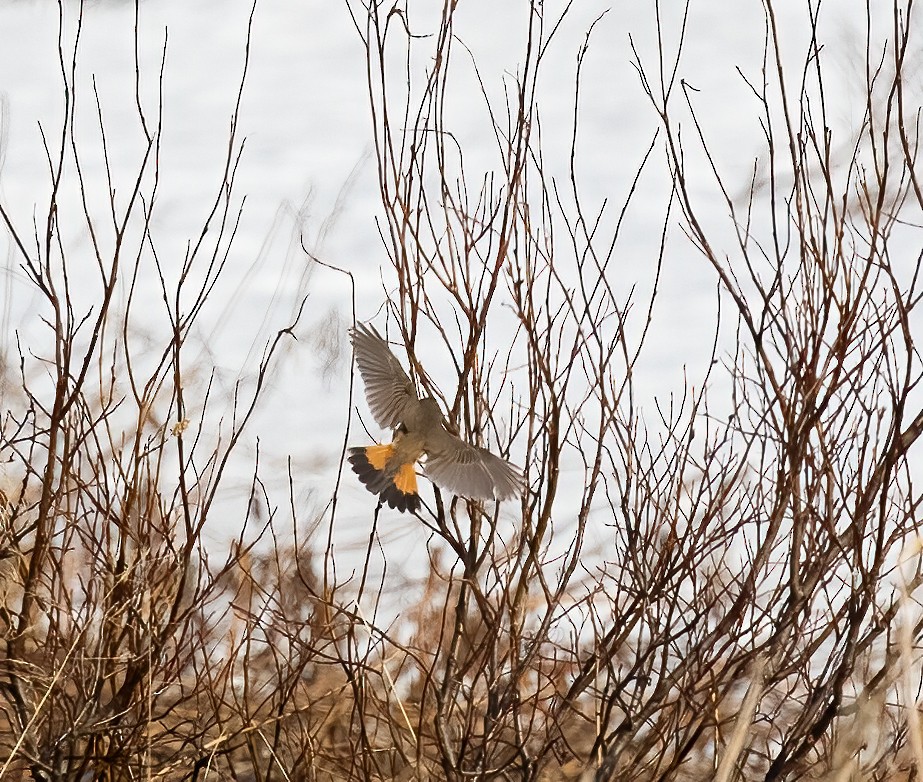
451,463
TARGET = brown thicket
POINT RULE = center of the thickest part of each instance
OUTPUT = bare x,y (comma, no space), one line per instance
721,581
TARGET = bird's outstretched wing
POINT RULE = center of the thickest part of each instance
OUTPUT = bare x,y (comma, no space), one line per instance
388,389
469,471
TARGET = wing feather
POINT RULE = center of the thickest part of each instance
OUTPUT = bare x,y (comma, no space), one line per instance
388,388
469,471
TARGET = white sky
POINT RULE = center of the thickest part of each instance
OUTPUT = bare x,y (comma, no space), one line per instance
308,131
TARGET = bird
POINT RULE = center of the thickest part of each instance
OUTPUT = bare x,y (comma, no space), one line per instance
389,470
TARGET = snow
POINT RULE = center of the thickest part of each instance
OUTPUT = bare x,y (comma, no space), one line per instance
307,171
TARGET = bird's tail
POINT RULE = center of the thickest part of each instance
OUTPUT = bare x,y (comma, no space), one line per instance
396,484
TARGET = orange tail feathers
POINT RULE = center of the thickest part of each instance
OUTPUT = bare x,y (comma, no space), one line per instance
378,455
396,487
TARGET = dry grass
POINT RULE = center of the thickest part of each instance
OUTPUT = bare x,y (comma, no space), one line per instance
753,611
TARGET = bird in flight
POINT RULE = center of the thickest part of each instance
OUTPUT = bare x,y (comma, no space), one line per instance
419,430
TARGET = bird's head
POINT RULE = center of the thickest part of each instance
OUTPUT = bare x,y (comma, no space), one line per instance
431,409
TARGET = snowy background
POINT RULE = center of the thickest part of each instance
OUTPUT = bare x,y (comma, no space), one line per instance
308,172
